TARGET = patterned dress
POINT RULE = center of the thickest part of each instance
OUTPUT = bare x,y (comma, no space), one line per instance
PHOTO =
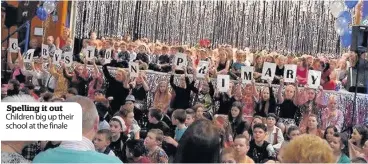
13,158
61,86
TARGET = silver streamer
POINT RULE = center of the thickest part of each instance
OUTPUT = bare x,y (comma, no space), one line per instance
285,26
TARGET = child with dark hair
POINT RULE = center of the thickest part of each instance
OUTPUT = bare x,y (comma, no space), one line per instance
178,119
338,144
136,151
260,150
102,141
154,119
190,116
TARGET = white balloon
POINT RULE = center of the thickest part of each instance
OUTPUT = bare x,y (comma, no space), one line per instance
336,8
49,6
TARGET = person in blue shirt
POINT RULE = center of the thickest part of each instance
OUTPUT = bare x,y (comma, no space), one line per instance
79,151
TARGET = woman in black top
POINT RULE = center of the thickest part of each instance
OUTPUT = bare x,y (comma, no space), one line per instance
117,88
267,103
79,79
288,105
182,92
225,100
140,89
235,116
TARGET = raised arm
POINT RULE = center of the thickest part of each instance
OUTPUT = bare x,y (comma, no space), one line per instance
255,92
10,62
320,96
144,83
280,98
107,73
295,100
66,74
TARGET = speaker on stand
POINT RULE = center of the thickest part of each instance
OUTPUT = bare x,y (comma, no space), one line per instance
358,74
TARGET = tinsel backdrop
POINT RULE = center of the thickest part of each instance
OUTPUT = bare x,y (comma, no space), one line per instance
286,26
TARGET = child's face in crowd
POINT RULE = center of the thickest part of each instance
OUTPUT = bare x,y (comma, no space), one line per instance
356,136
309,60
100,141
265,94
235,112
311,94
189,120
129,104
115,128
241,147
93,35
294,134
150,141
271,121
335,144
150,118
205,88
282,61
259,135
289,92
50,40
248,90
332,104
228,158
163,87
239,58
174,121
129,119
329,134
119,76
123,48
199,113
312,122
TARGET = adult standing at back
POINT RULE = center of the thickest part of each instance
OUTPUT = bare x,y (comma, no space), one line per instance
79,151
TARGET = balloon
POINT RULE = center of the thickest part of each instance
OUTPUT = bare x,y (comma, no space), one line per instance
351,3
346,15
346,39
336,8
41,13
341,26
49,6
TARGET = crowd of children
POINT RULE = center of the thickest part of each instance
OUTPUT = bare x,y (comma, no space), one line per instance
252,125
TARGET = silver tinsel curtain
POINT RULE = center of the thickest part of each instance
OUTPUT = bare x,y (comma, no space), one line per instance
285,26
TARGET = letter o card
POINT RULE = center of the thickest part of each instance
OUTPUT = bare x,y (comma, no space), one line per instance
223,82
314,79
